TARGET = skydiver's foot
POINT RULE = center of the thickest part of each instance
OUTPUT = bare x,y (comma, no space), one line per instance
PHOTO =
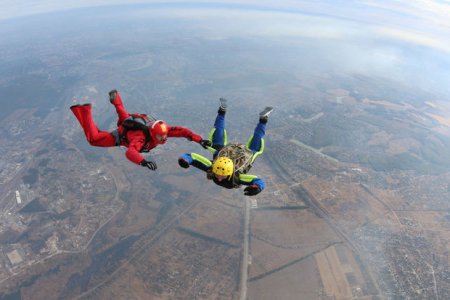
223,103
264,115
79,105
183,163
112,96
223,106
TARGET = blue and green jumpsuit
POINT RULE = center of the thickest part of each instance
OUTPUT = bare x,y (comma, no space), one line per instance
218,138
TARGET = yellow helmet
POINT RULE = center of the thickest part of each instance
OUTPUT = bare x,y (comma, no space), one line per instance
223,166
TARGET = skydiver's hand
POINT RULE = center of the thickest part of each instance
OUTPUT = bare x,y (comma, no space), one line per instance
205,143
251,190
149,164
183,163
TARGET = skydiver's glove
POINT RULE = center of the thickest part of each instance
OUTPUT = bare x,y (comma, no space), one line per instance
251,190
183,163
205,143
112,96
149,164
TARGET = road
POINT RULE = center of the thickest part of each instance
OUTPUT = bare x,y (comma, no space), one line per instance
244,265
298,143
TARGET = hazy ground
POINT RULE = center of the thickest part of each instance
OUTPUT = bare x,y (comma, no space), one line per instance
356,161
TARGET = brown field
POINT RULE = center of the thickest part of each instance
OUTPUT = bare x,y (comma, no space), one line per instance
402,145
350,266
173,266
340,274
346,202
386,104
332,274
284,241
280,237
279,195
297,282
379,138
216,219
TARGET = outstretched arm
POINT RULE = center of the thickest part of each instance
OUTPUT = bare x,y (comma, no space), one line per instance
179,131
254,184
196,160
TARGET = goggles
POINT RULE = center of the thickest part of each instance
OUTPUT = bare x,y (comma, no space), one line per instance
161,138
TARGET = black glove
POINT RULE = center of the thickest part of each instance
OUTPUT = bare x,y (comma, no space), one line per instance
149,164
112,95
251,190
183,163
205,143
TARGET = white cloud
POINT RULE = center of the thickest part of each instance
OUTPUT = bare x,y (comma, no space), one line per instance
416,38
421,22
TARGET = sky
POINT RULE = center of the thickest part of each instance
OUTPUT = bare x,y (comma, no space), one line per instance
421,22
390,38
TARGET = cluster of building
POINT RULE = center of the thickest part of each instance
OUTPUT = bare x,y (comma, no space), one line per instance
60,212
405,262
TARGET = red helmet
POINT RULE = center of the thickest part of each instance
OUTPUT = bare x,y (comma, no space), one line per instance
159,130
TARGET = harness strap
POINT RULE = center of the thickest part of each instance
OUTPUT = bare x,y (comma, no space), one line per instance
147,139
116,135
144,126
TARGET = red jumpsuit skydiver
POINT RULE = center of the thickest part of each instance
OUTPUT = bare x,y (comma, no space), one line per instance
135,139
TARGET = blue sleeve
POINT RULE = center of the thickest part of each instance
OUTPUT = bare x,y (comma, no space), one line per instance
260,183
247,179
196,160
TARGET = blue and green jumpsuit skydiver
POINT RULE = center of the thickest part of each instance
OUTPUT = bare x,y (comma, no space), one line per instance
218,137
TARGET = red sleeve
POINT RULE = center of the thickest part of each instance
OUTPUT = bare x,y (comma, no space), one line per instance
133,150
178,131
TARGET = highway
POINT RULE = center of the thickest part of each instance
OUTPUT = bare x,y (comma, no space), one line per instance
244,265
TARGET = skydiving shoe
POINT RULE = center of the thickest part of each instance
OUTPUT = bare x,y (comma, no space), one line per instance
264,115
79,110
223,106
112,96
77,105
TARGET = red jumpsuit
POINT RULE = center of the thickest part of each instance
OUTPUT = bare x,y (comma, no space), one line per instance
135,139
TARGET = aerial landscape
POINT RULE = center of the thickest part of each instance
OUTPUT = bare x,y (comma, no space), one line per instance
356,159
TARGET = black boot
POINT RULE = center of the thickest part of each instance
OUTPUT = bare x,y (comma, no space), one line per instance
264,115
84,104
223,106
